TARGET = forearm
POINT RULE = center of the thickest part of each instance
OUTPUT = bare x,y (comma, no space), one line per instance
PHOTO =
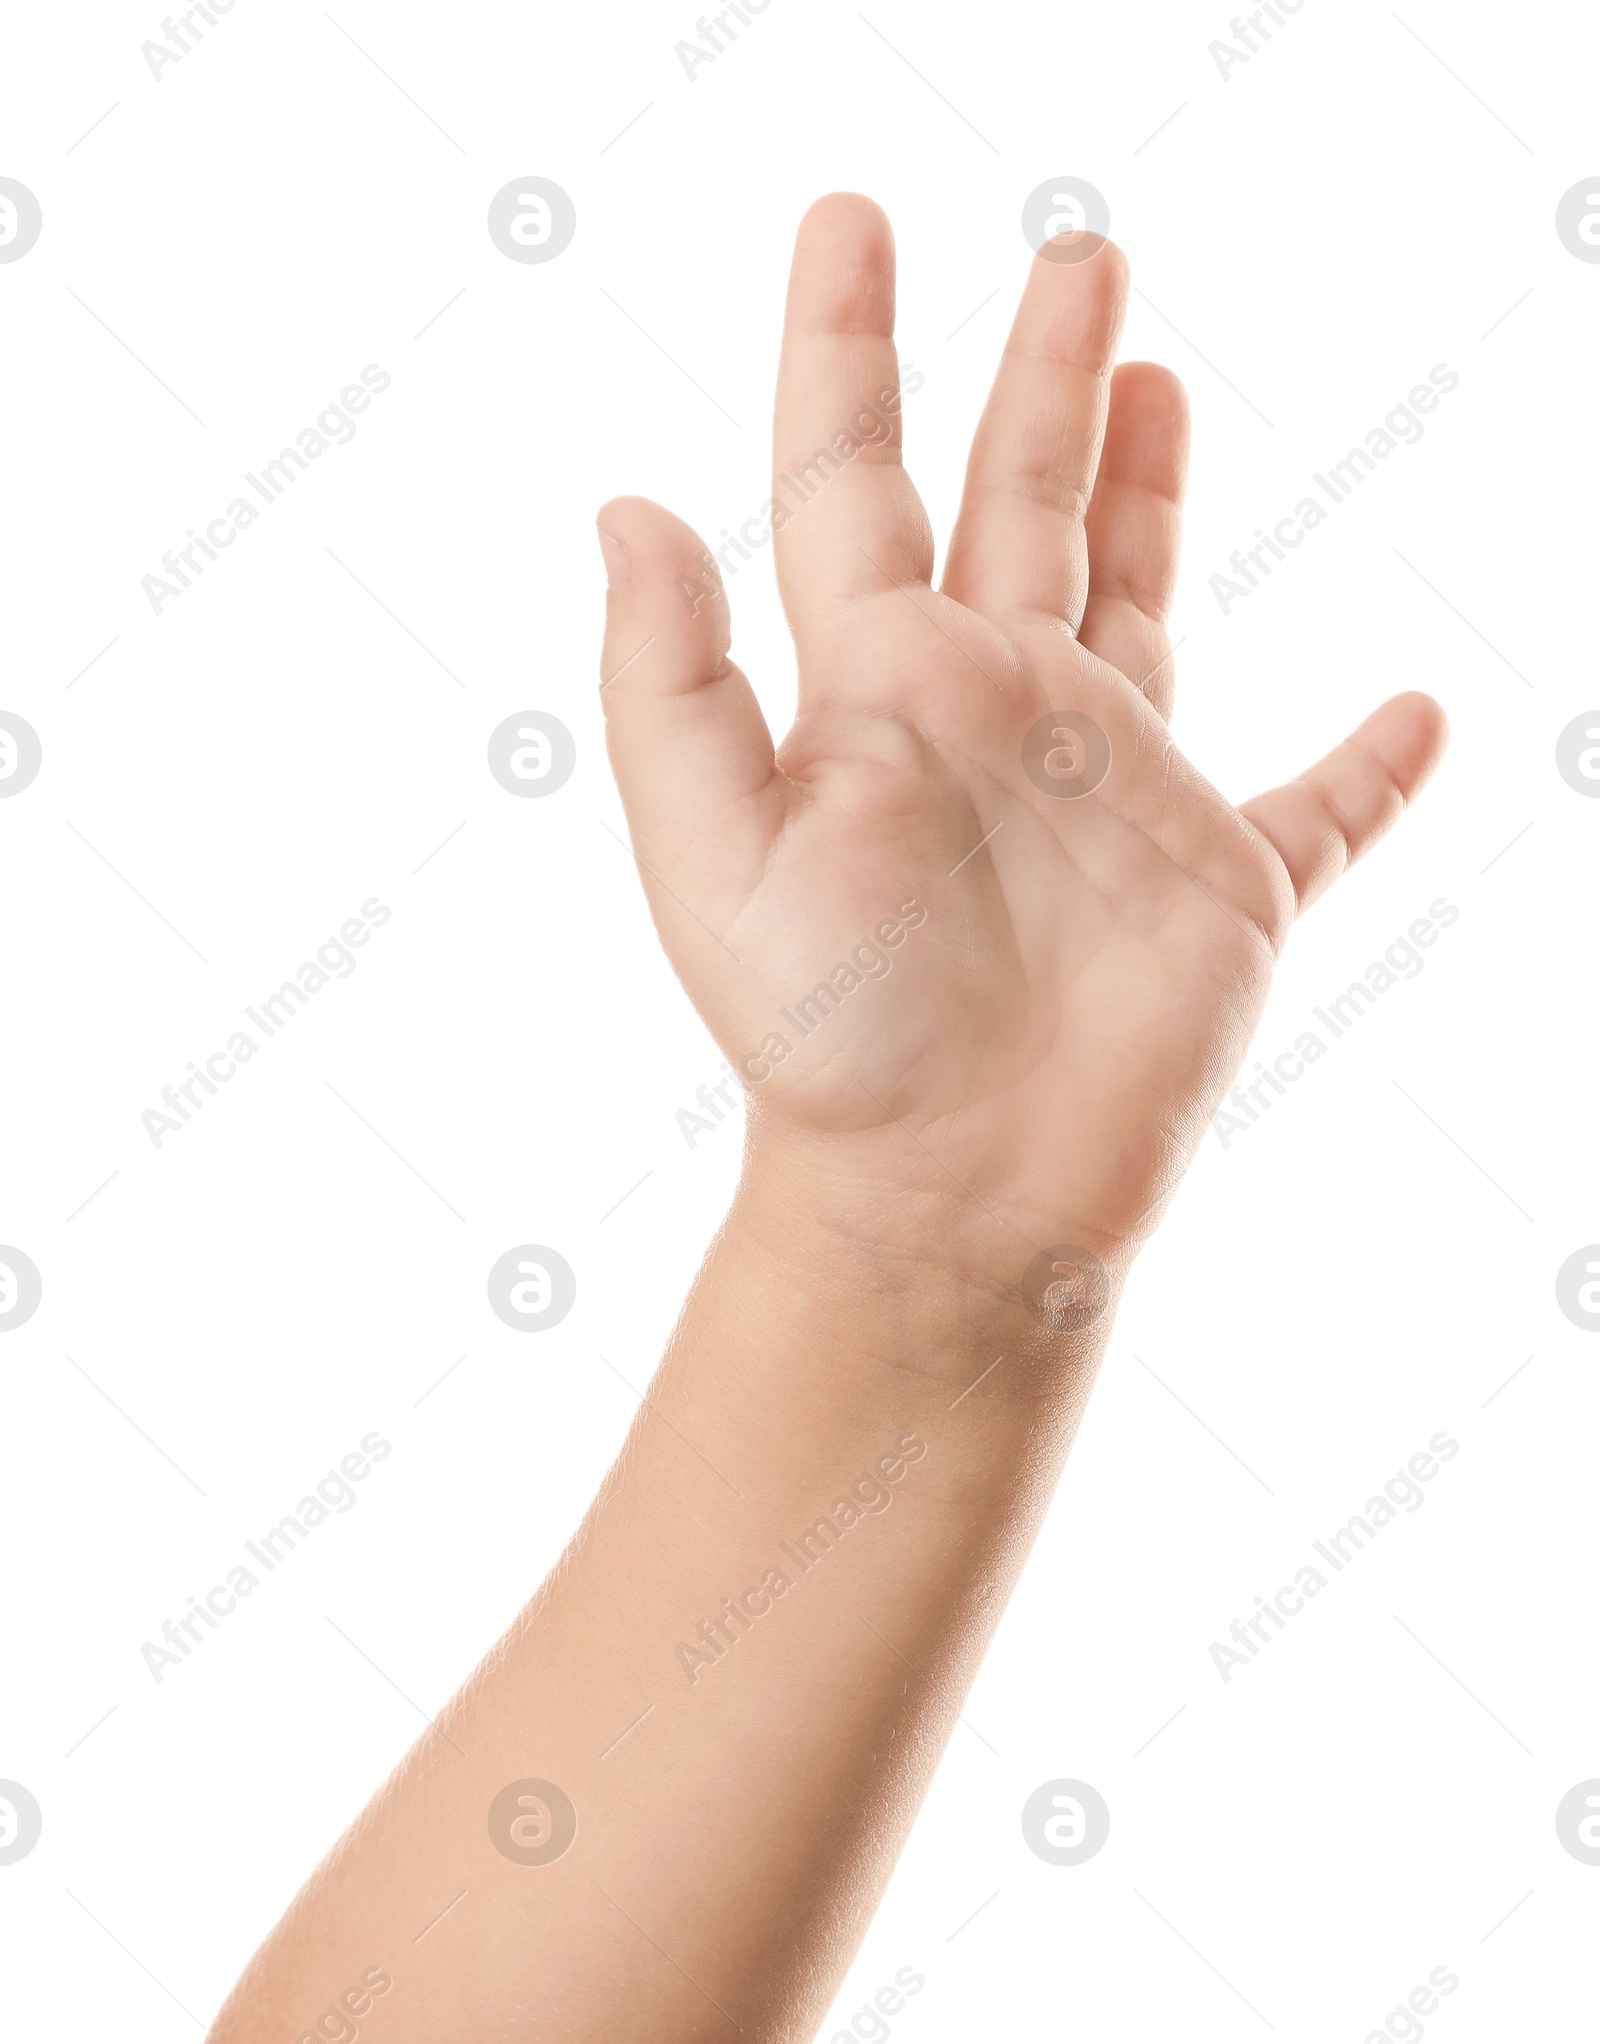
743,1671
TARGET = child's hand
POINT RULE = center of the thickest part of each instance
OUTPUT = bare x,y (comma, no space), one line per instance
1036,1046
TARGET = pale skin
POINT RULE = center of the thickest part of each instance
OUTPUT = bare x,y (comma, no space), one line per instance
1035,1067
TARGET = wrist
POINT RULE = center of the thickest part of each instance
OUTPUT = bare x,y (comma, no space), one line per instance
928,1276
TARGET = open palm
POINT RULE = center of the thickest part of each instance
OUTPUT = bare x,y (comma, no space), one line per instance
978,925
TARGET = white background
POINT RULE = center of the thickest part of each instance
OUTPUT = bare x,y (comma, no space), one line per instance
1298,1848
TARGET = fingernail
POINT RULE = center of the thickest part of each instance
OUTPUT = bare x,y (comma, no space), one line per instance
619,567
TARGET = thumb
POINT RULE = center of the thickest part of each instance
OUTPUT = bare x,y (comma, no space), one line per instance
688,743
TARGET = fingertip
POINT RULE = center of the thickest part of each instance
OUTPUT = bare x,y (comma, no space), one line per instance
1074,303
1086,258
1147,429
1410,731
655,539
1115,269
844,214
1152,391
1426,711
843,275
630,518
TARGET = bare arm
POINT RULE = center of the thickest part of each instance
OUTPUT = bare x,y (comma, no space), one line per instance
985,951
